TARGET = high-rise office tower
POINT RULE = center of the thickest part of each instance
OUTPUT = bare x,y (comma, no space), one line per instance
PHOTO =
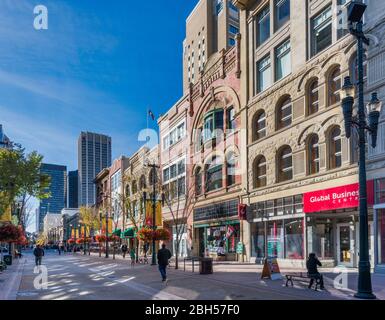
73,190
57,189
211,27
94,154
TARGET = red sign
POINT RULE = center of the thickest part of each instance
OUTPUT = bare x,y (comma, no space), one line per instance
242,211
336,198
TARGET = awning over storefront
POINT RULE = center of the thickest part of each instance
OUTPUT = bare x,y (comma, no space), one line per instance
117,232
129,233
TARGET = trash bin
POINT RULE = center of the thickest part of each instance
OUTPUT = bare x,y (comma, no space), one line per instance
8,259
206,266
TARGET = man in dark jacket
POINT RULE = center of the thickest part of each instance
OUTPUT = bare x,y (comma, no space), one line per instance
38,252
312,270
163,256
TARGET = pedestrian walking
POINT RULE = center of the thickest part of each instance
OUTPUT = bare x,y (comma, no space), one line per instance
124,249
38,252
312,270
133,256
163,256
59,250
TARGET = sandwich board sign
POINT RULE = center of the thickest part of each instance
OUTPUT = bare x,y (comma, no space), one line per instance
271,269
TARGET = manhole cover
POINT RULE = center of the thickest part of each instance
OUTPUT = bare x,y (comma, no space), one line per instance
27,294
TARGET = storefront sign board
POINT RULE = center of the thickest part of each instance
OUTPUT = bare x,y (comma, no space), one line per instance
336,198
271,269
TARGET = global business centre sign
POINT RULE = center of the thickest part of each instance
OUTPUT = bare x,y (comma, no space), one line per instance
336,198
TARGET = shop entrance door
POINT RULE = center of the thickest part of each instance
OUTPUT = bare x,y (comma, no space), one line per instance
345,244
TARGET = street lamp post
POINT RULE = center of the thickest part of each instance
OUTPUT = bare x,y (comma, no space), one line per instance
107,234
356,10
153,169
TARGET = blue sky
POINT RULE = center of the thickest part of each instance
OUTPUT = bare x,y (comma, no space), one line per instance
98,67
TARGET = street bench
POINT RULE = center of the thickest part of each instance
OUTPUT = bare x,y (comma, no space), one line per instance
303,277
192,259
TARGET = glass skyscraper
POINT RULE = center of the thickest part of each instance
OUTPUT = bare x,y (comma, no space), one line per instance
58,191
94,155
73,190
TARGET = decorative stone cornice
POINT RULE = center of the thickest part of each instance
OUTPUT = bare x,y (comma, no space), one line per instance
243,4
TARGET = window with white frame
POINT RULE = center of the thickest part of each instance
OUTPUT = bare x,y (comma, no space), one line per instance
174,136
174,179
321,33
263,26
282,60
263,74
116,181
282,12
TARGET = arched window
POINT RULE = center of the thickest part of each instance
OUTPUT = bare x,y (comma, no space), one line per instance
335,154
284,113
198,181
260,172
313,97
213,124
284,164
231,161
259,125
334,86
134,187
214,174
313,154
142,182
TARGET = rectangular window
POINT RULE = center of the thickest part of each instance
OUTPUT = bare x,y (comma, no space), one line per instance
231,42
342,28
282,13
321,33
181,167
231,119
263,26
166,174
181,186
233,30
219,6
263,74
173,171
283,60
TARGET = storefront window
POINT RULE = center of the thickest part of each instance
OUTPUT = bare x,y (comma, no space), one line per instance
380,191
275,239
320,238
294,239
226,236
381,236
258,240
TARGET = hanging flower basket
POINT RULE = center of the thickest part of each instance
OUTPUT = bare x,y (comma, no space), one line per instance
161,234
22,241
113,238
9,233
71,241
144,234
100,238
147,234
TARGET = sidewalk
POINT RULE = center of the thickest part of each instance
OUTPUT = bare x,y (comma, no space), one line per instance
10,279
248,277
